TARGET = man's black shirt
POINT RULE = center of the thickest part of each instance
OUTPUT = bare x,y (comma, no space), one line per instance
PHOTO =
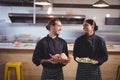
47,46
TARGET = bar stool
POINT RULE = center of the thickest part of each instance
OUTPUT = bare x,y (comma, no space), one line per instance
118,73
18,68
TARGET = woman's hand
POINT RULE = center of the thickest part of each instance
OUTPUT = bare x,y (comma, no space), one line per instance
95,62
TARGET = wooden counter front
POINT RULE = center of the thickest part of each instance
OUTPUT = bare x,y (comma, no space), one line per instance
32,72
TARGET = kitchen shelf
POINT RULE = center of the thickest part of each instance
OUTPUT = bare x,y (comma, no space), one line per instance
44,18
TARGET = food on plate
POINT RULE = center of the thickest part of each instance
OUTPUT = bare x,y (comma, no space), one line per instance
110,46
85,60
17,44
55,57
28,44
62,58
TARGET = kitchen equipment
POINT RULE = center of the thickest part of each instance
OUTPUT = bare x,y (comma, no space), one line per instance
2,37
10,38
23,37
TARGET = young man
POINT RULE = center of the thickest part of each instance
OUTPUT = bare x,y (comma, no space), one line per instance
47,46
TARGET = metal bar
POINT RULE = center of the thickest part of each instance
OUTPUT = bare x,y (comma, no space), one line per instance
34,12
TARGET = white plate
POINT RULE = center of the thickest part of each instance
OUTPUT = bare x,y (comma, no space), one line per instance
82,61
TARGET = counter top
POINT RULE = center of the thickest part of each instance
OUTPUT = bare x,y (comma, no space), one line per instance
114,48
22,46
31,46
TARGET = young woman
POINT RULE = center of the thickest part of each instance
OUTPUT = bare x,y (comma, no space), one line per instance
90,46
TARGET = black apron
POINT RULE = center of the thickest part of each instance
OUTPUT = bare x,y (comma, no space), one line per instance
52,74
88,71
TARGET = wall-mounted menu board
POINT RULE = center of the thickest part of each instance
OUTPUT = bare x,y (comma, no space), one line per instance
112,21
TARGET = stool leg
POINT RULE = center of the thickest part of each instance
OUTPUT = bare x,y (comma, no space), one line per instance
22,73
118,73
9,74
18,72
6,73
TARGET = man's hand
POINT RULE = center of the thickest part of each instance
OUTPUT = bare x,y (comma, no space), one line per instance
48,61
52,61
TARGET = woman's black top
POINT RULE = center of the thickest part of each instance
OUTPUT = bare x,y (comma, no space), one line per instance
92,46
47,46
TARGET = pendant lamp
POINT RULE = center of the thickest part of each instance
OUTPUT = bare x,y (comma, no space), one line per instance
101,3
43,2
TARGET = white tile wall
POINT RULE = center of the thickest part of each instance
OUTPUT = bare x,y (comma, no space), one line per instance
110,33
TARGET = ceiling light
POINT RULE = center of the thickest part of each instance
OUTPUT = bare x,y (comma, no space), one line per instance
49,10
77,17
52,16
94,18
101,3
43,2
107,15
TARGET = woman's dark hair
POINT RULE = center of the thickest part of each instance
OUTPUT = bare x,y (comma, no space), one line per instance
51,22
92,22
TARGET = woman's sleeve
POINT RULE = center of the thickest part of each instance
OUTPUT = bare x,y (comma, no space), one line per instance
36,58
103,53
75,49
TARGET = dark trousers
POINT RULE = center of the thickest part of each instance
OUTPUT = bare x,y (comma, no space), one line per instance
52,74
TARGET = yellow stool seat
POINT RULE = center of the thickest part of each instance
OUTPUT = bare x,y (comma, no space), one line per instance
17,66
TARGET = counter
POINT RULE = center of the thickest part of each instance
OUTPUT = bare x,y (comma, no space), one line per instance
31,46
23,53
21,46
